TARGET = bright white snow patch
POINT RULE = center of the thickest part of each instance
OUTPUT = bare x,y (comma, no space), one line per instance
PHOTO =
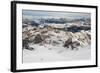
58,53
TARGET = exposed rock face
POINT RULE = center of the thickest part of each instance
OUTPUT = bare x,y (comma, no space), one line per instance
78,28
75,45
38,39
72,44
68,42
26,44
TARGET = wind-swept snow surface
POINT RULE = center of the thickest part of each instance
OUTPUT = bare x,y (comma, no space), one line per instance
51,54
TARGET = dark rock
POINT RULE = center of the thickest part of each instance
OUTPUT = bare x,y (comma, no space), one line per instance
75,45
38,39
24,26
78,28
44,32
25,43
68,42
30,48
72,44
89,36
33,23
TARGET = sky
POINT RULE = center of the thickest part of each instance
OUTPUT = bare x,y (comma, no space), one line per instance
38,13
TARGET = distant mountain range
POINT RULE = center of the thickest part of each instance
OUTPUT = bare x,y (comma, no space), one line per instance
64,21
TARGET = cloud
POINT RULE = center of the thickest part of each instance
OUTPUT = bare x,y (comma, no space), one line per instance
56,14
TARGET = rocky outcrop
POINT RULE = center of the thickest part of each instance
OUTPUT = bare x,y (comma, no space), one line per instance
38,39
57,37
78,28
70,43
25,43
